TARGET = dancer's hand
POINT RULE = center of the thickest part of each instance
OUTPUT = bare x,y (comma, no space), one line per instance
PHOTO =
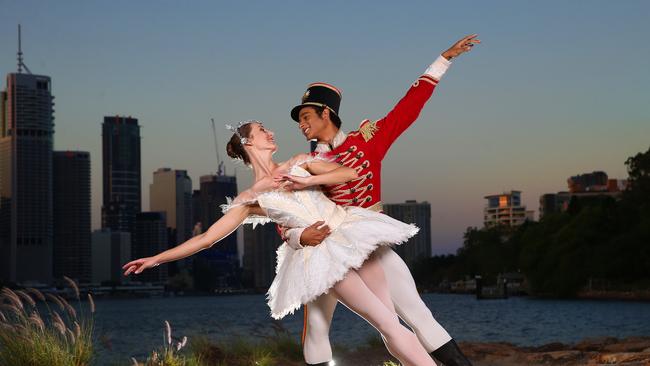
314,234
139,265
462,46
295,183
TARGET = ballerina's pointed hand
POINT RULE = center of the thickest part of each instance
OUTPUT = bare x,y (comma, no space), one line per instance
294,182
139,265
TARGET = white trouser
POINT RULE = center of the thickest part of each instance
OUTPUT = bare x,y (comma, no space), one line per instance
408,305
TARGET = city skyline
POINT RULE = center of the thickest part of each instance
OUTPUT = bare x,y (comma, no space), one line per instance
26,196
547,96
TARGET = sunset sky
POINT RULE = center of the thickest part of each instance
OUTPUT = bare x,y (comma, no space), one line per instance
557,88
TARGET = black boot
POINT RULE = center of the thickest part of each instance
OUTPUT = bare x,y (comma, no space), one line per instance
450,355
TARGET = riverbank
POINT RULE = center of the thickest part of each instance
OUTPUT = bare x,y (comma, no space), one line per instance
613,295
638,295
633,351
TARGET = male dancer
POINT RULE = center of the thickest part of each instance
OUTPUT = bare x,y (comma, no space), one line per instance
364,150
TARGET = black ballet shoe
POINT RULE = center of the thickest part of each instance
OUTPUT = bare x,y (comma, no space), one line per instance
450,355
319,364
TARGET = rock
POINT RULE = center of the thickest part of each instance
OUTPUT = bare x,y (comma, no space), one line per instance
594,344
636,344
624,357
553,358
550,347
480,350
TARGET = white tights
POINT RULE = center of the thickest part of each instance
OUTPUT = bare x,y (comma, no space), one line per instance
365,292
408,305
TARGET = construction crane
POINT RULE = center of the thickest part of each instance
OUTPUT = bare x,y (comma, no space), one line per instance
221,170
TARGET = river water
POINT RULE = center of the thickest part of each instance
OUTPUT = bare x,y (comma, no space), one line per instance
134,327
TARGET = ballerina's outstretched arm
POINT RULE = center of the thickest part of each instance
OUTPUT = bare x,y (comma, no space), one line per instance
219,230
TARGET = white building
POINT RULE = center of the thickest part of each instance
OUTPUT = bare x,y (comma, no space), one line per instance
506,209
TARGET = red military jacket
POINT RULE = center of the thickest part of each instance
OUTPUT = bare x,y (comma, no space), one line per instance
365,148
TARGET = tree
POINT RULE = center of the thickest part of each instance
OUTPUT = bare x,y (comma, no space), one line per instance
638,168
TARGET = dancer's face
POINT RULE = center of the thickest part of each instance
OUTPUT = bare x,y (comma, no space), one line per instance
261,138
311,124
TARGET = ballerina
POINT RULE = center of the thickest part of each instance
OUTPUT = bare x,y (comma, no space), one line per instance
343,264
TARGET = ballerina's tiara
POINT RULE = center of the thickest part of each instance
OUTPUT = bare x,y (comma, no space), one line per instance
239,125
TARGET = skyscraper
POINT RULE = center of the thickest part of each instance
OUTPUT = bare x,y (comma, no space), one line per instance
110,251
72,241
418,213
214,190
217,267
196,209
121,173
260,246
150,238
171,192
26,135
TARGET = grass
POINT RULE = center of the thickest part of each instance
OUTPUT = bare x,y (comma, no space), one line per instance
280,349
39,329
58,336
170,353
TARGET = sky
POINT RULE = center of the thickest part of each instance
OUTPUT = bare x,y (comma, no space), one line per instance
556,89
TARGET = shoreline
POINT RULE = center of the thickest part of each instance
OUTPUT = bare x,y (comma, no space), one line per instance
630,351
595,351
632,296
641,295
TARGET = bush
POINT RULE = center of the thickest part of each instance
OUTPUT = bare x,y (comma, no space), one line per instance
59,337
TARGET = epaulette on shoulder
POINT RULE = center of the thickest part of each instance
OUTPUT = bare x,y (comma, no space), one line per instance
367,129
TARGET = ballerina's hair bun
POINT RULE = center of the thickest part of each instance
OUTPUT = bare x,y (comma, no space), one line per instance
234,148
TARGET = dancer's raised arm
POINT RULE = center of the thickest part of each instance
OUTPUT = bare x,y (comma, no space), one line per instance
219,230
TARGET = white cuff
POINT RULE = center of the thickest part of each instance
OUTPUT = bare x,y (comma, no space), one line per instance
293,237
438,68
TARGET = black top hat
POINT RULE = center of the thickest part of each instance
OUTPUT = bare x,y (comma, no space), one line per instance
321,95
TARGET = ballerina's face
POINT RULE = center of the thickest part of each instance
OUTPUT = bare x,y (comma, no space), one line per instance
261,138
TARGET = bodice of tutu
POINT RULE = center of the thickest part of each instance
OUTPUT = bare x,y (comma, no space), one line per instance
300,208
294,209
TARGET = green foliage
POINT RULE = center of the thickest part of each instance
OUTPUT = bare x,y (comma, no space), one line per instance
430,272
638,168
170,353
487,252
240,351
57,337
598,239
281,349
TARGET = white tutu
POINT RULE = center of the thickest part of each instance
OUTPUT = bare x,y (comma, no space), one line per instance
304,274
